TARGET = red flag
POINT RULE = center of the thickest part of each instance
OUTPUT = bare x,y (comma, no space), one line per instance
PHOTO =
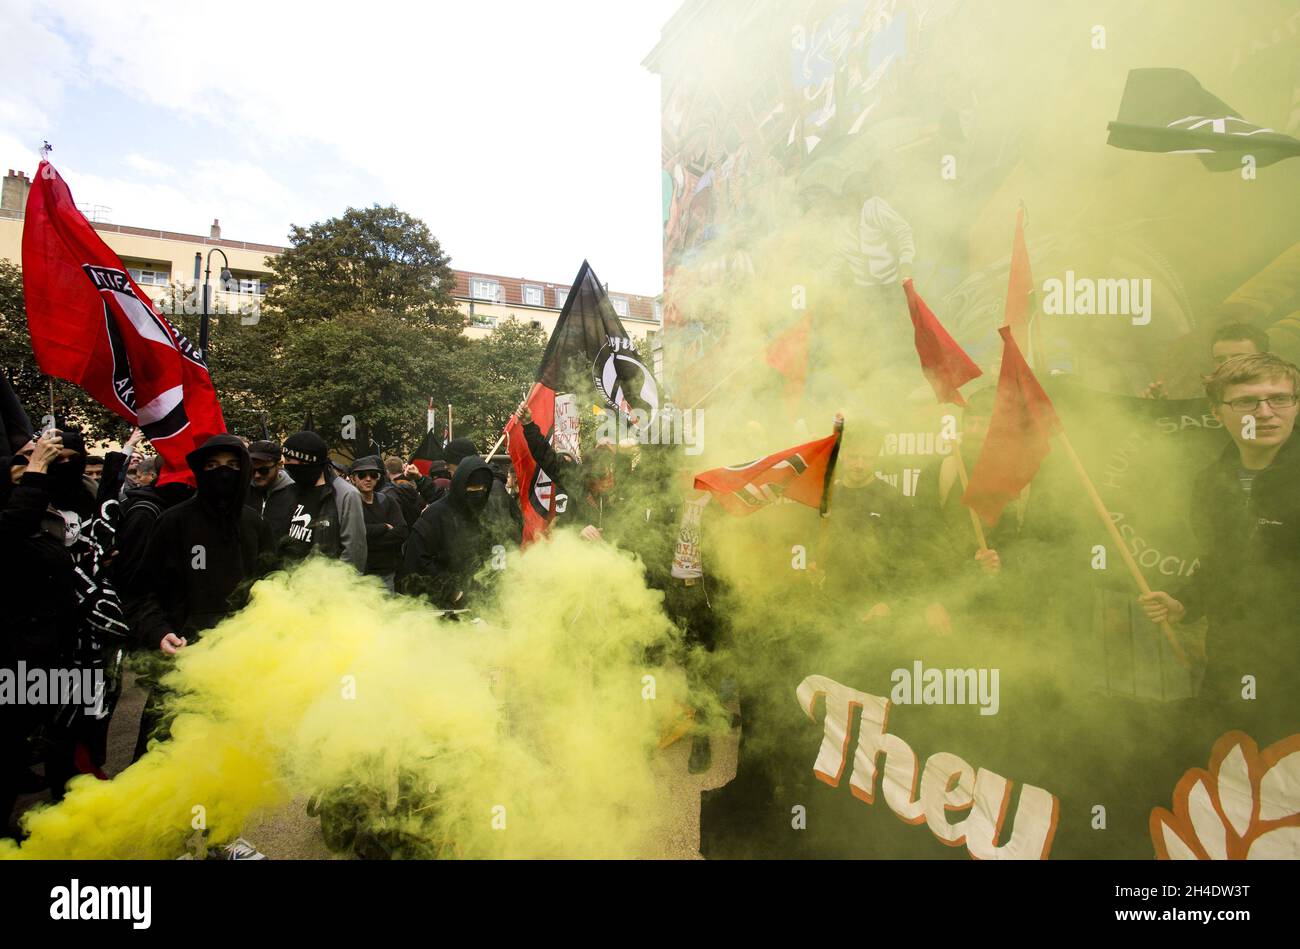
802,474
1018,438
1020,283
90,324
788,355
944,363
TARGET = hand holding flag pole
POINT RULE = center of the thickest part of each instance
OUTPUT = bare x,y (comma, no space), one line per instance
1018,440
1100,507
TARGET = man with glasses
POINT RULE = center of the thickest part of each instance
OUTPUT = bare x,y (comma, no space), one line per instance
1246,516
268,475
386,529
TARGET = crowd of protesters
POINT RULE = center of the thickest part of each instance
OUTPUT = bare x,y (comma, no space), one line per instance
102,555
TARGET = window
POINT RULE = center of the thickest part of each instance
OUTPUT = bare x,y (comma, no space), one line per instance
150,278
620,305
532,296
483,322
560,297
659,313
481,289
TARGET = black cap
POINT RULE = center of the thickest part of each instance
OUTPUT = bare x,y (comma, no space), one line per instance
264,451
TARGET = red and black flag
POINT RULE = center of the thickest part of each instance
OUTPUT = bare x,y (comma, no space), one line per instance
90,324
802,474
430,450
1018,439
944,363
588,348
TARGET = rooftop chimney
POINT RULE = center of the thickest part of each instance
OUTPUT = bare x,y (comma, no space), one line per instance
13,195
216,230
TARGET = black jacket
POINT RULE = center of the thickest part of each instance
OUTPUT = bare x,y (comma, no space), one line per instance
407,497
386,529
1247,584
449,543
140,510
40,610
570,501
339,529
184,590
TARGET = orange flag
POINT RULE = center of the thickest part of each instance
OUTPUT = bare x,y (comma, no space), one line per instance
788,355
1018,440
944,363
1020,285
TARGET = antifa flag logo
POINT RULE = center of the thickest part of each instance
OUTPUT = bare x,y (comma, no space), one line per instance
624,380
543,489
165,415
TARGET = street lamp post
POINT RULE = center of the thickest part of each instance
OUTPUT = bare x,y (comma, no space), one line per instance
225,278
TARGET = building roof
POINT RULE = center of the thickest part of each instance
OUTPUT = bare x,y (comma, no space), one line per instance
639,307
512,293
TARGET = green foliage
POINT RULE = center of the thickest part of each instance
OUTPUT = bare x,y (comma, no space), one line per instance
371,260
355,326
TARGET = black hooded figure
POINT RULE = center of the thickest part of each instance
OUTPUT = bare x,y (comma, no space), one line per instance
452,539
202,552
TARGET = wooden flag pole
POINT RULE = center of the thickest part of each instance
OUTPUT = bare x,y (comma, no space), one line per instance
716,387
965,483
1133,568
497,446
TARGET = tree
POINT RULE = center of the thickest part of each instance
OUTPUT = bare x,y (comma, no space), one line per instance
496,374
371,260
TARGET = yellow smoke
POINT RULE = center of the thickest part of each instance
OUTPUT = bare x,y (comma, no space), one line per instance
528,734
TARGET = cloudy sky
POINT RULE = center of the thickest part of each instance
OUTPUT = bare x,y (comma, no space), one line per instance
525,134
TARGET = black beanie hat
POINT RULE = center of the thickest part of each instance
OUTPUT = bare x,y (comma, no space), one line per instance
306,447
457,450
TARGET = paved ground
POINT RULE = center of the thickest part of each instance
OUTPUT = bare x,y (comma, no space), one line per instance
289,834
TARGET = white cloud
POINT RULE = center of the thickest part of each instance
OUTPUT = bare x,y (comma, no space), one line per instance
526,134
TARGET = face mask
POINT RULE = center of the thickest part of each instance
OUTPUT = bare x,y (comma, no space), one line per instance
476,500
65,481
219,486
305,475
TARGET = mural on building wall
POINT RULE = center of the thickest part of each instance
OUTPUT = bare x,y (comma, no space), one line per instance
818,154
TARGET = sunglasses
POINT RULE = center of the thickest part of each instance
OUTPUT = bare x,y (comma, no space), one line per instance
263,470
367,474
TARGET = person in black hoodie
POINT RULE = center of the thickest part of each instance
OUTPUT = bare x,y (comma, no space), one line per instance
452,540
386,529
199,559
42,621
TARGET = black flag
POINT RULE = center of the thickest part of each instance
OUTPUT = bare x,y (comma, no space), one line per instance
1167,110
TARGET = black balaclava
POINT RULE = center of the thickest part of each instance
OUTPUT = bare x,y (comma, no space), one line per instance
312,455
67,490
477,500
219,488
